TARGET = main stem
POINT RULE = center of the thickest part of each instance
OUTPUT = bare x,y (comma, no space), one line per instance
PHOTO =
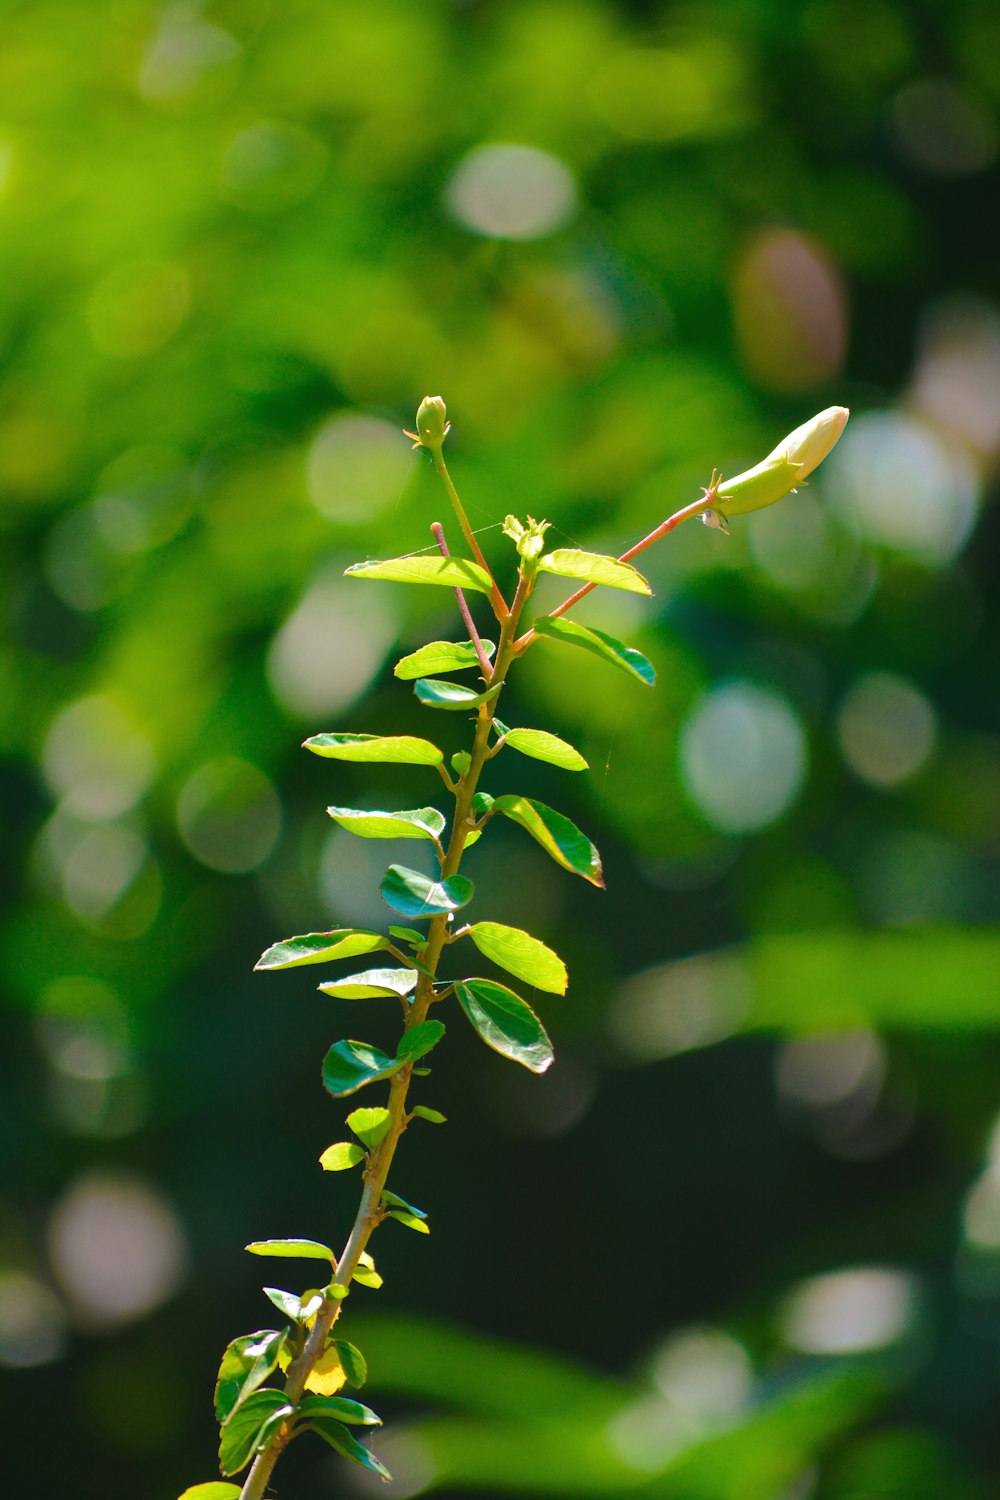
369,1213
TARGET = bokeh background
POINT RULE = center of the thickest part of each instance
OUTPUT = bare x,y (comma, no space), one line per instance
743,1241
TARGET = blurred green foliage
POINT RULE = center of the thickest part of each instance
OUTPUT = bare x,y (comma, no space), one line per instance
760,1191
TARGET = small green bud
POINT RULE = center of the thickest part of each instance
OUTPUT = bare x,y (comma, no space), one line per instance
432,423
460,762
778,474
528,539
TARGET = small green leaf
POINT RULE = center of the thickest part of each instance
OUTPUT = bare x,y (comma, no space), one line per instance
292,1249
353,1362
340,1407
395,1201
594,567
288,1303
320,947
348,1066
541,745
460,762
440,656
450,572
506,1023
371,1126
482,802
339,1157
435,1116
246,1364
366,1272
371,984
410,1221
521,954
343,1443
419,1040
453,695
409,935
214,1490
398,749
414,895
417,823
249,1428
598,643
557,835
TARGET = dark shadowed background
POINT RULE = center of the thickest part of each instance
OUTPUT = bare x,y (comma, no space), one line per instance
743,1241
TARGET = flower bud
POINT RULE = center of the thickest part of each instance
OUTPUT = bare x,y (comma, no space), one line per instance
778,474
432,422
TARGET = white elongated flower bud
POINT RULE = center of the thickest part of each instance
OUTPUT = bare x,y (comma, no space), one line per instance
790,462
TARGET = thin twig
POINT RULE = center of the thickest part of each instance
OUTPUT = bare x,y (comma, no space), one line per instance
437,531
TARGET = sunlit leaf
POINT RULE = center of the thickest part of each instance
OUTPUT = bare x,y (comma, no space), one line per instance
541,745
290,1303
419,1040
341,1156
327,1375
594,567
452,695
409,935
246,1364
506,1023
292,1249
409,1220
353,1362
340,1439
348,1066
395,1201
416,823
371,1126
320,947
434,1116
521,954
399,749
371,984
414,895
557,835
450,572
440,656
215,1490
340,1407
366,1273
249,1427
598,643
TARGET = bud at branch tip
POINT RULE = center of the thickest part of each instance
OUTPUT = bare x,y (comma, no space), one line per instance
432,424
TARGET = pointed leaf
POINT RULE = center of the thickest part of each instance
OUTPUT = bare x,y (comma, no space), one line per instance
599,643
340,1407
419,1040
521,954
594,567
395,1201
327,1375
292,1249
288,1303
482,803
557,835
339,1157
246,1364
450,572
348,1066
410,1220
414,895
371,1126
506,1023
320,948
432,1116
409,935
342,1441
371,984
366,1273
249,1427
541,745
417,823
353,1362
398,749
214,1490
440,656
451,695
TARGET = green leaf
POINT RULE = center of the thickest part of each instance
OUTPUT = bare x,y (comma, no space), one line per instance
541,745
418,823
366,1273
410,1221
599,644
409,935
506,1023
419,1040
414,895
371,1126
292,1249
453,695
340,1157
291,1304
460,762
353,1362
340,1407
348,1066
434,1116
440,656
342,1441
371,984
521,954
482,802
450,572
594,567
397,749
395,1201
557,835
246,1364
320,948
214,1490
249,1427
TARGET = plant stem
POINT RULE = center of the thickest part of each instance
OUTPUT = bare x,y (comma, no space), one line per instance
437,531
694,509
369,1213
500,608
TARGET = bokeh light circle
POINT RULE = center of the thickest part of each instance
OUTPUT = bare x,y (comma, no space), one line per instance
742,756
